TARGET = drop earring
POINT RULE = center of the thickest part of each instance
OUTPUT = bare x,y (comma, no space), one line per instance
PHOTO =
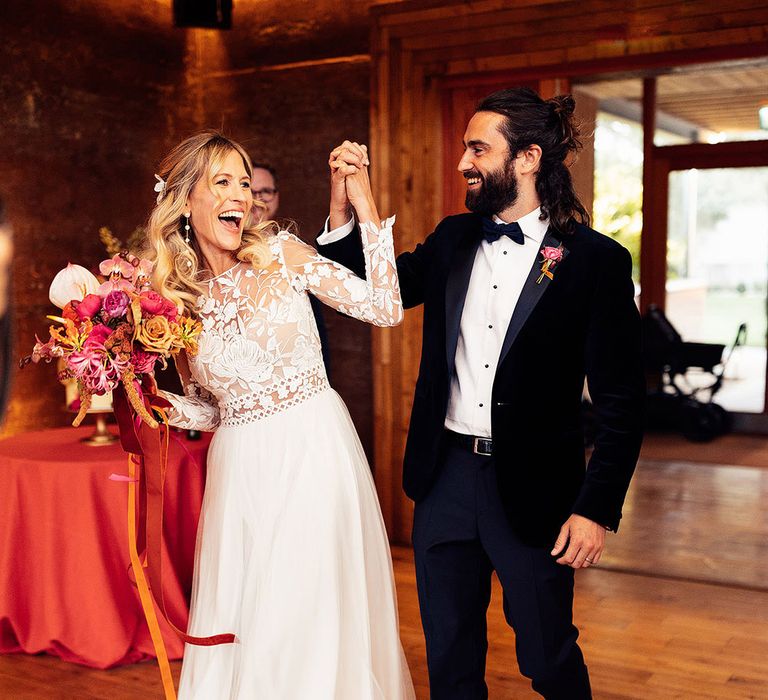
186,229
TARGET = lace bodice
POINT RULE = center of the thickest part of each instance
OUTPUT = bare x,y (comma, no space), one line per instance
259,350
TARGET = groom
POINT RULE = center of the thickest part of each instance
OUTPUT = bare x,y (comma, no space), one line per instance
522,301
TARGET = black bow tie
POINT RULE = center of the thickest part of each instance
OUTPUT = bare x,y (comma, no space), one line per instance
493,231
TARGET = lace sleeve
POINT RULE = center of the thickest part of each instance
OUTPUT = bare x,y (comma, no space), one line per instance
375,299
197,409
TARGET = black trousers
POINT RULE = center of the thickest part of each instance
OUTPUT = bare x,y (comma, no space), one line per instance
460,536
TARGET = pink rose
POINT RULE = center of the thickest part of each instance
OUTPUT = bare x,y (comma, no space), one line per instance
97,336
89,306
551,253
155,305
116,303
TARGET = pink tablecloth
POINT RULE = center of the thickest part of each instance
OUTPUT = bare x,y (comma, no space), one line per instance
64,581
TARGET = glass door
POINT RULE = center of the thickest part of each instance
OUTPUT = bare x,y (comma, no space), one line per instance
717,275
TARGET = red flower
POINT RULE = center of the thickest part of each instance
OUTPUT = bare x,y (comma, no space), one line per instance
143,362
155,305
89,306
97,336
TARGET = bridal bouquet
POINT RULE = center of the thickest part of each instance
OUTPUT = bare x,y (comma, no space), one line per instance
111,333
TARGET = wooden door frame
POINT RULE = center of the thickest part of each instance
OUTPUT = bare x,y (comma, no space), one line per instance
664,160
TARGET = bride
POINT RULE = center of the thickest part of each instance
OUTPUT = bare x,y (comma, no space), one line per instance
292,555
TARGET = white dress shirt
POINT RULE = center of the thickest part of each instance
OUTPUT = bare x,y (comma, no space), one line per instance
498,275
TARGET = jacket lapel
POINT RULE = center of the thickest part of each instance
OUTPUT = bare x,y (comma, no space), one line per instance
530,294
456,288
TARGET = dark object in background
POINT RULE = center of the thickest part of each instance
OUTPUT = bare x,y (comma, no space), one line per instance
673,403
208,14
695,420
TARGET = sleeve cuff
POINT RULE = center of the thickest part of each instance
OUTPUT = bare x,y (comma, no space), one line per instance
327,237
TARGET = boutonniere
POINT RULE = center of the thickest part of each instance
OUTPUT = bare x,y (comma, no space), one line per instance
551,256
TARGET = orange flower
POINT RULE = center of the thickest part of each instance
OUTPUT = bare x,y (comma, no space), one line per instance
72,336
185,333
155,334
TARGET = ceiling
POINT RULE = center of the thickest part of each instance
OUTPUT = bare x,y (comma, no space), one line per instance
718,98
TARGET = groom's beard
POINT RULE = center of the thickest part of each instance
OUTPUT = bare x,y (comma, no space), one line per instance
497,191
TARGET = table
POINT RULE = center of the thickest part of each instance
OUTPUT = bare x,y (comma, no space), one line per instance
64,582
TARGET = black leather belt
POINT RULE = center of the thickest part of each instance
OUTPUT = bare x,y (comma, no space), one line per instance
478,445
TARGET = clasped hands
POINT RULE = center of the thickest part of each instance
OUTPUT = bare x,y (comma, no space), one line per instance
350,185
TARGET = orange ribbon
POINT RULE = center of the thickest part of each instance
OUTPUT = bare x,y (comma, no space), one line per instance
147,463
155,443
141,583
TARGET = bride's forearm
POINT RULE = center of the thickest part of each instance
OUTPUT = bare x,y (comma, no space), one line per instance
367,212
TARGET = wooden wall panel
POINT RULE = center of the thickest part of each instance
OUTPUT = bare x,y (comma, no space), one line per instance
476,47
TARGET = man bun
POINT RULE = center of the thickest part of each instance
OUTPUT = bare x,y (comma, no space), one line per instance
563,108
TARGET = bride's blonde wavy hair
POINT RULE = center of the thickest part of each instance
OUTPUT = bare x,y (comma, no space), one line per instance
177,270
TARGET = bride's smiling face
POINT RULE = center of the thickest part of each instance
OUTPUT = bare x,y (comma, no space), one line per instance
219,205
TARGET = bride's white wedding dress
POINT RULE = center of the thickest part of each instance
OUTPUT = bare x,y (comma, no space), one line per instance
292,555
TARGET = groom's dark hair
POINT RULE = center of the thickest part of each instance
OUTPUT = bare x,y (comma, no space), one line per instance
550,124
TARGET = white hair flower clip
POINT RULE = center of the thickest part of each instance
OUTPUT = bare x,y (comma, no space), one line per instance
159,187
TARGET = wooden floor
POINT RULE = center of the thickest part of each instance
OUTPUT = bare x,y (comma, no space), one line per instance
702,522
679,609
642,637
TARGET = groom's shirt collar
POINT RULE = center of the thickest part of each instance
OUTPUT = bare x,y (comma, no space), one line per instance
533,228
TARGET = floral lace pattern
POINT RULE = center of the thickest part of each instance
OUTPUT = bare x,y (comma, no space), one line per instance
259,351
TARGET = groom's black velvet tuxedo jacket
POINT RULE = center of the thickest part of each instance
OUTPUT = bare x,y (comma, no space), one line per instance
582,322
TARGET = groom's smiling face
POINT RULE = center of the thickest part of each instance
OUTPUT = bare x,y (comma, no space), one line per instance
487,165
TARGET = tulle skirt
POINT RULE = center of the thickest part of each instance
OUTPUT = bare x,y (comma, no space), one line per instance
293,558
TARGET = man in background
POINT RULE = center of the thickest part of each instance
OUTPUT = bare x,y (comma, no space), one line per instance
265,190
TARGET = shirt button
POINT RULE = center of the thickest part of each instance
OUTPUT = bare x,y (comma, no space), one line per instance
481,405
490,325
495,286
505,252
487,366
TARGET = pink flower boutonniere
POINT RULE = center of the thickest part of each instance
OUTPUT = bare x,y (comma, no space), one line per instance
551,256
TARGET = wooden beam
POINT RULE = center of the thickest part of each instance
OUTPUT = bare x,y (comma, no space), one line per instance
733,154
653,241
620,65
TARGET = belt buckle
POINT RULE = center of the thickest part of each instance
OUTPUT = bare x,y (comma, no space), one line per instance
486,448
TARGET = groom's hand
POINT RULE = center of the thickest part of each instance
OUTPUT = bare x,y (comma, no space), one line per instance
585,539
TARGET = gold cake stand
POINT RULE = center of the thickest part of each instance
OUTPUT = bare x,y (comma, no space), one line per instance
101,434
